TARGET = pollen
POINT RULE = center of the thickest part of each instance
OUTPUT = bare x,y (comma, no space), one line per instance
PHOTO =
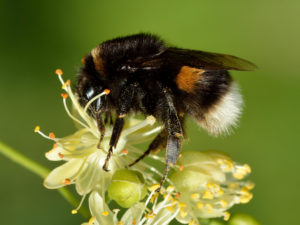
92,220
66,181
74,211
51,135
181,167
107,91
64,95
59,72
105,213
154,187
37,129
207,195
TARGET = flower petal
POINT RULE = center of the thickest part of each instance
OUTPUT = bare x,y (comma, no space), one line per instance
134,213
56,178
100,209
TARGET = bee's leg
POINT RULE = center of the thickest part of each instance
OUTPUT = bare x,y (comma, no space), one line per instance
175,133
101,127
124,103
156,145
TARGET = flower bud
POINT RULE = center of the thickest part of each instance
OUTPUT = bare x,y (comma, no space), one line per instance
127,187
242,219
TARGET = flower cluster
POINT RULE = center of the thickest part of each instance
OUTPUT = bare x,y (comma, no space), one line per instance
203,185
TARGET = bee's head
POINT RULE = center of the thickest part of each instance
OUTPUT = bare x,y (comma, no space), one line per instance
90,84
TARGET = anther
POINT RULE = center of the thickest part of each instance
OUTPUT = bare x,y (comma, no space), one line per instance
195,196
67,83
207,195
66,181
181,167
107,91
226,216
120,223
59,72
134,222
105,213
170,188
51,135
177,195
37,129
92,220
154,187
74,211
54,146
124,151
200,205
64,95
60,155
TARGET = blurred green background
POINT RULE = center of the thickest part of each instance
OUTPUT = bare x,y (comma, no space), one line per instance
39,36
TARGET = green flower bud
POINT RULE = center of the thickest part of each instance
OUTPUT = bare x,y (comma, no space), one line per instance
242,219
127,187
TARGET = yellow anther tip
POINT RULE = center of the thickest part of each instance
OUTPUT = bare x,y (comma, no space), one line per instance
105,213
59,72
74,211
92,220
226,216
37,129
154,187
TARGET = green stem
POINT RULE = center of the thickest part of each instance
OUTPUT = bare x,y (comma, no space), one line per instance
39,170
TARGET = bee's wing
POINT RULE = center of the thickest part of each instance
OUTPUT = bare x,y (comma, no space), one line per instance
208,60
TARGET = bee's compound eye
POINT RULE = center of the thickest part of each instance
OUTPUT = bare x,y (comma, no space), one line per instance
90,93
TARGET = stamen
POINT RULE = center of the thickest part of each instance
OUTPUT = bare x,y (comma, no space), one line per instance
149,121
170,188
74,211
107,91
177,195
60,155
37,130
71,116
93,99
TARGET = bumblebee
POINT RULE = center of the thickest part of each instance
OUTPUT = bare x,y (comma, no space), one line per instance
149,77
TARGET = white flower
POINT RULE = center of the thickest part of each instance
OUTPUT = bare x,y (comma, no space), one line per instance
210,183
83,160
